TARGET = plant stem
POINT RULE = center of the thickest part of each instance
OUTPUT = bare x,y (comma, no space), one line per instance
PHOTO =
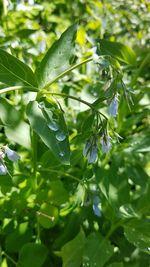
13,88
76,99
67,71
62,173
34,156
11,259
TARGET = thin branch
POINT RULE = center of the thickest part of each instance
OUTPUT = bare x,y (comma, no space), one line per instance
67,71
76,99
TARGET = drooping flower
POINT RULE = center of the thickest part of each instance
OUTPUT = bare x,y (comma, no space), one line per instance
11,154
3,169
97,206
113,107
90,151
106,144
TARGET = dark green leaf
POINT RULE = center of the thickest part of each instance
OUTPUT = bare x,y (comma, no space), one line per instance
57,59
72,252
97,251
14,72
39,124
118,50
32,255
138,233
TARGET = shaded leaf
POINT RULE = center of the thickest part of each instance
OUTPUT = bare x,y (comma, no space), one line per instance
119,51
39,124
32,255
14,72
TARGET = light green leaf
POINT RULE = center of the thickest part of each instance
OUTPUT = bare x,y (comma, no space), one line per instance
32,255
48,215
57,59
14,72
40,125
72,252
119,51
97,251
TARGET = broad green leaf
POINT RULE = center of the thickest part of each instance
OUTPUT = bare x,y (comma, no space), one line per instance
32,254
97,252
14,72
119,51
57,59
50,137
18,238
72,252
138,233
48,215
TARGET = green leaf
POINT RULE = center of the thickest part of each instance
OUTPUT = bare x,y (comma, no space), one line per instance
32,255
57,59
14,72
58,194
18,238
97,251
119,51
40,125
72,252
137,232
48,215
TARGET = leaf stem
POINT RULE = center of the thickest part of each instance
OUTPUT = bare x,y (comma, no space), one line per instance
11,259
77,99
34,156
13,88
67,71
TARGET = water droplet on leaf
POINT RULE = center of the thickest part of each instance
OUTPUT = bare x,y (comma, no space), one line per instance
61,153
53,126
60,136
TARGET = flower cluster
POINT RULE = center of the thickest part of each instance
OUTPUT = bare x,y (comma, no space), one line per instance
90,150
11,155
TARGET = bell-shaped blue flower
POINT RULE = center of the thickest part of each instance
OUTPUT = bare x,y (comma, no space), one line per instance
113,107
3,169
11,154
97,206
106,145
90,151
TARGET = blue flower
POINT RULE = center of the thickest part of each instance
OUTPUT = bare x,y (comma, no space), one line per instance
106,145
90,151
11,154
113,107
96,206
3,169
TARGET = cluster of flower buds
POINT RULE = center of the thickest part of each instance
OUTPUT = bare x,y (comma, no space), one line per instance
90,150
11,155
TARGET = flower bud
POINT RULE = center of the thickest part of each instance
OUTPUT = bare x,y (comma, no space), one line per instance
11,154
3,169
113,107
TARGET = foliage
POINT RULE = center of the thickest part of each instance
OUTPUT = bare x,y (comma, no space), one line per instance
74,119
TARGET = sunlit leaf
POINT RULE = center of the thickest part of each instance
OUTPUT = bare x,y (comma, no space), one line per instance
57,59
